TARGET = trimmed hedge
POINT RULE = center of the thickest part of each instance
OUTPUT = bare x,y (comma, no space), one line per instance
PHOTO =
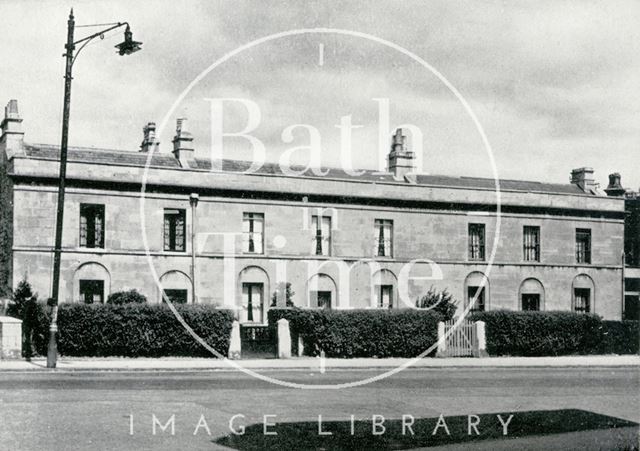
621,337
555,333
361,333
135,330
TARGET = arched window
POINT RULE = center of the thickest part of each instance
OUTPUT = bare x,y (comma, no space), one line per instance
322,292
254,289
92,283
531,295
476,286
176,286
384,289
583,294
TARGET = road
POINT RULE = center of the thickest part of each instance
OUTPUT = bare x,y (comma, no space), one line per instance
115,410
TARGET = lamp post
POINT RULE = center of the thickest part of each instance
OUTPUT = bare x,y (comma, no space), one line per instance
127,47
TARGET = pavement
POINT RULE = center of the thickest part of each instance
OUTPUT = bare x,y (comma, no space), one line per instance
312,363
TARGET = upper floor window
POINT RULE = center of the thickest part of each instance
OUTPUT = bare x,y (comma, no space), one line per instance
252,233
583,246
321,227
476,241
531,243
384,238
92,225
174,230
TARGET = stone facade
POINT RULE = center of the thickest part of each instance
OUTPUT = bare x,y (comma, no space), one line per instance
430,218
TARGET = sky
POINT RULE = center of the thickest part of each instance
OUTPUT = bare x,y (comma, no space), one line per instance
555,85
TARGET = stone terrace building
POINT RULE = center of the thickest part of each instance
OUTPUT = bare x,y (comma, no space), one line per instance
559,247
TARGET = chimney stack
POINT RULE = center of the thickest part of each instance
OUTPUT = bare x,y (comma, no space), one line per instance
12,138
615,188
583,178
183,143
400,160
149,142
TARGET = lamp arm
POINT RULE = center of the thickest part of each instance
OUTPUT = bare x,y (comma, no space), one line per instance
90,38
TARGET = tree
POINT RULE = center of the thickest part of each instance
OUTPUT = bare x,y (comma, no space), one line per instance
441,302
126,297
283,290
24,307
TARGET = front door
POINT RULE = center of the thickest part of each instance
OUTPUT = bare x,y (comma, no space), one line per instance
385,299
252,303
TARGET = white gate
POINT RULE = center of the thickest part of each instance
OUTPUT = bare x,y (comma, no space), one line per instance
463,339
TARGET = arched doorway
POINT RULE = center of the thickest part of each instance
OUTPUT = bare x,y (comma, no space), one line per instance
254,289
92,283
384,285
476,286
583,294
531,295
176,286
322,292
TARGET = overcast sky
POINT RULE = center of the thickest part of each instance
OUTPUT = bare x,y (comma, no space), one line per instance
556,85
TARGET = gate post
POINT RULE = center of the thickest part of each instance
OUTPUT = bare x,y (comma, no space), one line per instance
284,339
235,344
480,342
10,338
442,343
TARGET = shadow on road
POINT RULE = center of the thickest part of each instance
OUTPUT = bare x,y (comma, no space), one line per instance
436,431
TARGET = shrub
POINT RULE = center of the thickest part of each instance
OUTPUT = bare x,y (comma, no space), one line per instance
442,303
137,330
22,299
361,333
540,333
126,297
283,290
620,337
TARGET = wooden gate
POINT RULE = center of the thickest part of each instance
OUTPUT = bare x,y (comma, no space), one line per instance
258,341
458,340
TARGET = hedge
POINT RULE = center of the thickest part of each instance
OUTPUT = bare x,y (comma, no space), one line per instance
556,333
620,337
361,333
134,330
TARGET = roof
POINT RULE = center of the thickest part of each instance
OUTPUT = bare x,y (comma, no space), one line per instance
163,160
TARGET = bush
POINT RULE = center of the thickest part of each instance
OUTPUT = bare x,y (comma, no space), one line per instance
136,330
361,333
620,337
442,303
541,333
126,297
22,299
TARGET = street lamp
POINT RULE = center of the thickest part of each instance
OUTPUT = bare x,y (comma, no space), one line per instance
127,47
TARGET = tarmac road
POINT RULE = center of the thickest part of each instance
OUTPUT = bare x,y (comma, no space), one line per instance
115,410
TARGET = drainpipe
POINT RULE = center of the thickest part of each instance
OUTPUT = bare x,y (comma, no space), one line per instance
623,264
193,201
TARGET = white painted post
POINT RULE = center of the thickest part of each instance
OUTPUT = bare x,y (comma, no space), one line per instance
10,338
480,343
300,346
442,345
284,339
235,344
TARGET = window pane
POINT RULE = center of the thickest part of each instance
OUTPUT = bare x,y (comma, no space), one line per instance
252,226
174,230
476,241
383,238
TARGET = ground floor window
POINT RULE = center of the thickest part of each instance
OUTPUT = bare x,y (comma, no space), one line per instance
176,296
92,291
582,300
632,307
252,303
530,302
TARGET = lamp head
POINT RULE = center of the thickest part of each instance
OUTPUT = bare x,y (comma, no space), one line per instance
128,46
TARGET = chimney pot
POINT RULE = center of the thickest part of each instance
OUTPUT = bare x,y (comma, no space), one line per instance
183,143
615,188
149,142
400,160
